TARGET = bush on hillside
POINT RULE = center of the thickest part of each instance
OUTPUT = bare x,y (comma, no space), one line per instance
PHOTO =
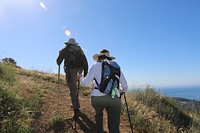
164,106
57,122
11,119
173,112
7,74
9,60
9,110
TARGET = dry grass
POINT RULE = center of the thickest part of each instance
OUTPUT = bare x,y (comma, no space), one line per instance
156,113
39,107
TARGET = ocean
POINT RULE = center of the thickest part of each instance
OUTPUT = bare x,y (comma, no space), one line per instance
188,92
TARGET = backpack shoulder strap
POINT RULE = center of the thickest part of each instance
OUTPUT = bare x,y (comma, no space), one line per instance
102,72
102,69
96,81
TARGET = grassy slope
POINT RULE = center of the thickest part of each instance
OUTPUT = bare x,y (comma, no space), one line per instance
46,84
40,90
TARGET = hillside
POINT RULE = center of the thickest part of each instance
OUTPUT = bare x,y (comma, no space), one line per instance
41,90
188,104
32,102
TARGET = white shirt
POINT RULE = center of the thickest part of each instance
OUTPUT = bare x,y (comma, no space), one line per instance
95,72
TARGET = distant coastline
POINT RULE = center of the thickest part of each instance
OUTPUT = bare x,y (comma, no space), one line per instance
188,92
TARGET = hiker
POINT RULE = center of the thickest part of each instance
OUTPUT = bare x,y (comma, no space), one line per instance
74,61
101,101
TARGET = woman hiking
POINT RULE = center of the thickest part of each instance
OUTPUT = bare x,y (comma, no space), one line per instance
101,101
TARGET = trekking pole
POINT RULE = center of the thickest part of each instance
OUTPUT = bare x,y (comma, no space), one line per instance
58,88
78,87
129,117
77,99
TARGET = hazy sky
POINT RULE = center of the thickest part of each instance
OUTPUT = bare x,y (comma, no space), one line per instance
156,42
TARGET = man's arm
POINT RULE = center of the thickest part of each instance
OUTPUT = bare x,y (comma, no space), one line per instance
85,66
61,56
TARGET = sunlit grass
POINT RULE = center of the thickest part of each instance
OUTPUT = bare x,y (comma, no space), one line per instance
20,105
153,112
57,122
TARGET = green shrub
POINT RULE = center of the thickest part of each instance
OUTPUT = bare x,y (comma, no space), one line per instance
173,112
8,104
57,122
7,73
147,96
9,111
9,61
166,107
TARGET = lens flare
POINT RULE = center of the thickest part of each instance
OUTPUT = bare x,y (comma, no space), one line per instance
43,6
67,32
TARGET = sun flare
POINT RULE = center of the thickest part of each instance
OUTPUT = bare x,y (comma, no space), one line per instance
43,6
67,32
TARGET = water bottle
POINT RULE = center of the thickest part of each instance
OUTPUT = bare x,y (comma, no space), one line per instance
113,92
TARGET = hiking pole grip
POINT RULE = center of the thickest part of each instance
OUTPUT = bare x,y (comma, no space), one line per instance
129,117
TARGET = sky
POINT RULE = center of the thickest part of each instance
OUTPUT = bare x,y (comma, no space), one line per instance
156,42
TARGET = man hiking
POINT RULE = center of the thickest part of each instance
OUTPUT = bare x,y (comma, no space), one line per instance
74,62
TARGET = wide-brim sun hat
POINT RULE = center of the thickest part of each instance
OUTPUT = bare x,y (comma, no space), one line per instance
103,52
71,41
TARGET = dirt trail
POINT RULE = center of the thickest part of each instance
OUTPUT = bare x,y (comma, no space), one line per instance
50,106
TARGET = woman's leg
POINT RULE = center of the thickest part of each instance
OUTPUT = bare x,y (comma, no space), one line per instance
98,104
114,109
